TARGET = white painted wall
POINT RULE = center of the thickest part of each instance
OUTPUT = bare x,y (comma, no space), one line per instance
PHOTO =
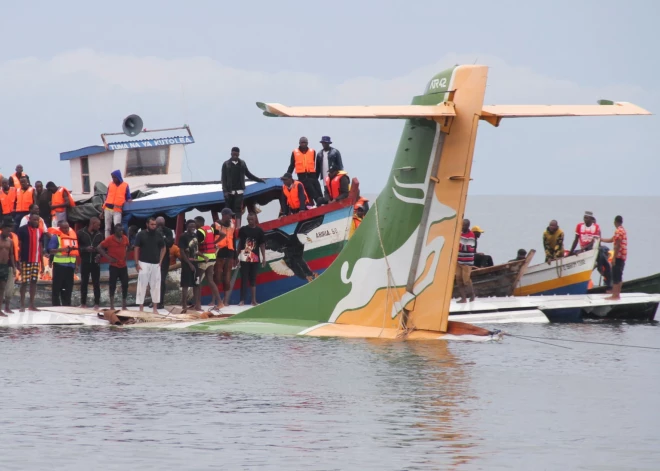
102,165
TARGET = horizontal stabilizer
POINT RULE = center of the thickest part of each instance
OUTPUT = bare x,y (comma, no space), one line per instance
494,113
384,112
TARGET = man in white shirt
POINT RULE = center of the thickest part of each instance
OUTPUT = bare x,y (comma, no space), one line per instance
328,157
34,209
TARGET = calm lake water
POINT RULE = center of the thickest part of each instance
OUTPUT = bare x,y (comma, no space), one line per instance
113,399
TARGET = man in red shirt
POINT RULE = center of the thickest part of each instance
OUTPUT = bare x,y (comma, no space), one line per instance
466,248
620,240
585,232
114,249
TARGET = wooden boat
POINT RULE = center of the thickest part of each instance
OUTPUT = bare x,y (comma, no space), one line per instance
648,284
498,280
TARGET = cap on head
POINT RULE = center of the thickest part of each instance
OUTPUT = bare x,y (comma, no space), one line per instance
478,229
333,168
589,214
326,139
286,176
226,212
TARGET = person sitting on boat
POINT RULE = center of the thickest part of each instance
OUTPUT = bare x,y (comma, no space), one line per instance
585,232
466,249
66,257
7,198
294,196
7,262
226,228
522,255
30,253
15,179
337,185
234,172
60,200
115,249
118,194
25,198
620,240
553,242
481,260
327,158
303,161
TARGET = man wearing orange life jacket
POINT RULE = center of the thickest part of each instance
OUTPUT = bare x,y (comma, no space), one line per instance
60,200
7,198
118,194
64,247
337,185
303,161
294,197
226,253
16,177
358,216
24,199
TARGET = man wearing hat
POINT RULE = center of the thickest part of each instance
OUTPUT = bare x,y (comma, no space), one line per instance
294,197
328,157
234,172
480,259
585,233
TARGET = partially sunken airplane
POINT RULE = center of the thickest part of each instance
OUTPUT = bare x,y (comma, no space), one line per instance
395,276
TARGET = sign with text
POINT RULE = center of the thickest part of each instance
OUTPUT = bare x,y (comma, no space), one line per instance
165,141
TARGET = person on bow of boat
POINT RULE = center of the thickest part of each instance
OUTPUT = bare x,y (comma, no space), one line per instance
234,172
294,196
620,240
553,242
337,185
328,157
466,249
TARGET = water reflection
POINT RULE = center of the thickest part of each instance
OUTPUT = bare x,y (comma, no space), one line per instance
432,389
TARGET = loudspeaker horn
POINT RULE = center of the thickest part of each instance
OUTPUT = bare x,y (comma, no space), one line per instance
132,125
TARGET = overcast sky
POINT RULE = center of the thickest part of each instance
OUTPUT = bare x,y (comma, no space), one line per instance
71,70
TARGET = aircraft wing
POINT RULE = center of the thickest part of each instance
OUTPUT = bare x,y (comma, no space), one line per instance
494,113
384,112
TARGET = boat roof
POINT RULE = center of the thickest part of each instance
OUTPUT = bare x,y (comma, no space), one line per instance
177,198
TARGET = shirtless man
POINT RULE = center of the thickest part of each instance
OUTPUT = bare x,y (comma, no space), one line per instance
7,262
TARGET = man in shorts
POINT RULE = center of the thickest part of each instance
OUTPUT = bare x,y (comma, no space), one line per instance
226,254
620,240
30,253
7,262
188,248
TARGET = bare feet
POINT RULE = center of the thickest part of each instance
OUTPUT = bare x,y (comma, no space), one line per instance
254,303
462,301
141,307
2,314
612,298
112,307
96,307
83,306
8,311
21,309
123,305
32,308
241,303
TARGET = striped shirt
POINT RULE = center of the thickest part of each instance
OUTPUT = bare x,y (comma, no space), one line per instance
467,248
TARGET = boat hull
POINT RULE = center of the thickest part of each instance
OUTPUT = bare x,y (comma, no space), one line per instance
648,284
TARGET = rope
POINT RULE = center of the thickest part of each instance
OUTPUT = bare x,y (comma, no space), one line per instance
538,341
391,283
587,341
559,267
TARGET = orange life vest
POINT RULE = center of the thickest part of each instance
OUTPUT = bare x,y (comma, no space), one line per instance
24,199
116,196
333,185
8,200
17,183
360,203
305,163
291,195
58,198
228,240
67,240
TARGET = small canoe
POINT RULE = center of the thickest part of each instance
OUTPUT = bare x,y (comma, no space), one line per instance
648,284
498,280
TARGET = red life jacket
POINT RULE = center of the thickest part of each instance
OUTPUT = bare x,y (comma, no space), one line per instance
208,247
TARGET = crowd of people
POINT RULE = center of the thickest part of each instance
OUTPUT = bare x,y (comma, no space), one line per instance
610,265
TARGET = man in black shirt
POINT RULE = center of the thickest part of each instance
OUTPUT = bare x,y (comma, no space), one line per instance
250,244
234,172
42,198
168,237
149,253
188,247
88,239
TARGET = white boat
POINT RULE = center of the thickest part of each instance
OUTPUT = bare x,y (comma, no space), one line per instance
568,275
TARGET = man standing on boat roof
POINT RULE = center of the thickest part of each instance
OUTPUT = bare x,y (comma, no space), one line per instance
89,238
553,242
466,249
15,179
327,158
620,240
30,253
60,200
7,198
233,176
118,194
585,232
24,200
303,161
